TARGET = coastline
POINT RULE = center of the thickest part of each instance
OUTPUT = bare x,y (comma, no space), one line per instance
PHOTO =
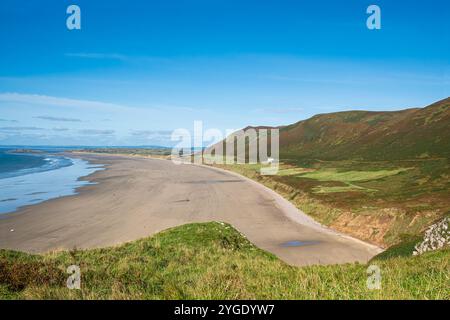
289,209
68,174
295,214
90,178
136,197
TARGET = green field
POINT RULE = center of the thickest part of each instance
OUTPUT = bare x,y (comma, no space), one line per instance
377,201
350,176
213,261
379,176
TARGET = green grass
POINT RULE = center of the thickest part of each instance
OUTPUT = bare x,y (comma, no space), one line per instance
291,171
347,188
350,176
376,201
402,249
212,261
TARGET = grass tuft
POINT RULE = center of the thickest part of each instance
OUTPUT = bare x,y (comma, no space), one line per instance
212,261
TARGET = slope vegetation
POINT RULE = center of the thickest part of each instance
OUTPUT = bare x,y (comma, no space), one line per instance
212,261
364,135
379,176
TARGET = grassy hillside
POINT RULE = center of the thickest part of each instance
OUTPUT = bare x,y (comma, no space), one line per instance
213,261
363,135
379,176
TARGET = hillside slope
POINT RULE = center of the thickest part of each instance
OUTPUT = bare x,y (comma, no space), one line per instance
364,135
212,261
379,176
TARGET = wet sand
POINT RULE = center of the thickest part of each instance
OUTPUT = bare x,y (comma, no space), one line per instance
137,197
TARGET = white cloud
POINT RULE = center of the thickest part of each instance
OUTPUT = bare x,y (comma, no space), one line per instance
20,128
50,118
118,57
111,56
57,101
155,135
44,100
96,132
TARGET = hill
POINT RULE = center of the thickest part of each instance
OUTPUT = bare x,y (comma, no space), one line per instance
365,135
379,176
212,261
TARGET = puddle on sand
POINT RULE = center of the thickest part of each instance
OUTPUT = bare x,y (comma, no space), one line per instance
297,243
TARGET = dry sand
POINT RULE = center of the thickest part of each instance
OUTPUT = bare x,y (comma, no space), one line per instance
137,197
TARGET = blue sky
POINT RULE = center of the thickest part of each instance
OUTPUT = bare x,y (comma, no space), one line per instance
139,69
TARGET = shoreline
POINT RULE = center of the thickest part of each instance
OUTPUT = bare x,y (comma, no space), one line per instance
135,197
76,180
292,212
297,215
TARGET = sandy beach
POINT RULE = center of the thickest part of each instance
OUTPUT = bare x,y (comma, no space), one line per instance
137,197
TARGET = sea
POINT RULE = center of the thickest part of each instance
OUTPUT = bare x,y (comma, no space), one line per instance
31,176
